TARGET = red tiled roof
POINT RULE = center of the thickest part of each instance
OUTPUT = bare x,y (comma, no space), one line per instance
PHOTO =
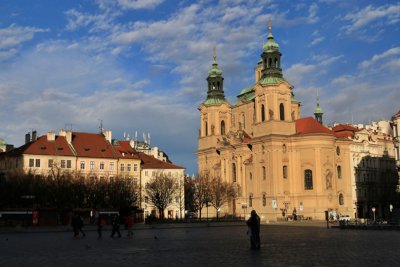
344,131
43,147
92,145
124,150
309,125
150,162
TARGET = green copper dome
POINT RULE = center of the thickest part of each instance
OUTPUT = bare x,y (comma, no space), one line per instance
270,45
214,71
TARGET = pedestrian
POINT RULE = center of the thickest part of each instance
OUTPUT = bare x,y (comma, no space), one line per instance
254,230
115,226
80,226
129,224
294,214
99,225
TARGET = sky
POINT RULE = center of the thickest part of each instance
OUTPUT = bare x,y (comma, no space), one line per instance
141,65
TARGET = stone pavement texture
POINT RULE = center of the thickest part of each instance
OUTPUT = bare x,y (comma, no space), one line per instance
218,245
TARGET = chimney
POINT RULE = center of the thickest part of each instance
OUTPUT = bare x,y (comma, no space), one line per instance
62,133
51,136
34,135
69,137
27,138
107,135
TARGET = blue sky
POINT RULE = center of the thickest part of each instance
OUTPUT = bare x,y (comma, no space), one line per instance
141,65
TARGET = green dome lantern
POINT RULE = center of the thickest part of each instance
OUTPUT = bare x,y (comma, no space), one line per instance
215,93
271,57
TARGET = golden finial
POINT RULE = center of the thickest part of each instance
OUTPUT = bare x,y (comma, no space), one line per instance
215,54
269,24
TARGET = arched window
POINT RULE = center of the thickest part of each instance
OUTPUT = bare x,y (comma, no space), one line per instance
262,112
206,128
276,63
282,112
218,85
339,171
251,176
269,62
233,172
341,199
222,127
284,170
308,180
264,200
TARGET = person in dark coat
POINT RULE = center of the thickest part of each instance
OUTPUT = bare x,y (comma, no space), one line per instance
254,230
115,226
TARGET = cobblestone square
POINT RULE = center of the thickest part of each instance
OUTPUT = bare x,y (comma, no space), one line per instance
225,245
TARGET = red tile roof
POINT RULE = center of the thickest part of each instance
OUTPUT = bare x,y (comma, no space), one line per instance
309,125
124,150
44,147
150,162
92,145
344,131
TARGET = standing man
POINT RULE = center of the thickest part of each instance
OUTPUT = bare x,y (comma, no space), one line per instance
115,226
254,224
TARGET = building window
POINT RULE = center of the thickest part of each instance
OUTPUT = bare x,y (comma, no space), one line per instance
62,163
282,112
222,127
308,180
129,167
101,165
135,181
69,164
339,171
31,162
146,173
146,199
262,112
177,199
341,199
206,128
111,166
233,172
338,151
50,164
284,170
82,165
135,167
122,167
264,173
92,165
37,163
264,200
251,200
251,176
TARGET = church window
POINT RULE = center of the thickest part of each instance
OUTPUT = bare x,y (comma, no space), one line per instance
218,85
264,200
308,180
222,127
276,63
282,112
341,199
251,176
269,62
262,112
233,172
251,200
338,151
284,170
264,173
206,128
339,171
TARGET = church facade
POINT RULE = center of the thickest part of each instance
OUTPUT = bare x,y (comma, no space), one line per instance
281,162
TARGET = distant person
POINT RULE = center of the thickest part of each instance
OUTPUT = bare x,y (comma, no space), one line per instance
99,225
129,224
115,226
294,214
254,230
77,225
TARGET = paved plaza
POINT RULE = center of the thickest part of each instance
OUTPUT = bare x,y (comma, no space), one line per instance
194,245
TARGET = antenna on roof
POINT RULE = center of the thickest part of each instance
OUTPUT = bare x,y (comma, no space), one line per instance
124,134
135,136
148,138
144,138
68,127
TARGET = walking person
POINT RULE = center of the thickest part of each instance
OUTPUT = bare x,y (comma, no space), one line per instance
115,226
254,230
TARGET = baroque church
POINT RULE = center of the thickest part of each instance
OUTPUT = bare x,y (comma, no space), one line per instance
281,163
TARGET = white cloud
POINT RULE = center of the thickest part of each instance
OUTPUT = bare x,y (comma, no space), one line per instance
297,72
390,14
375,60
139,4
15,35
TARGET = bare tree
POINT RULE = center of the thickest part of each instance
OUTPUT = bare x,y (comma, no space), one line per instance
160,191
202,193
221,193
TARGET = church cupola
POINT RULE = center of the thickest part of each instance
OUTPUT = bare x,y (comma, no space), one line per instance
215,93
271,56
318,112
